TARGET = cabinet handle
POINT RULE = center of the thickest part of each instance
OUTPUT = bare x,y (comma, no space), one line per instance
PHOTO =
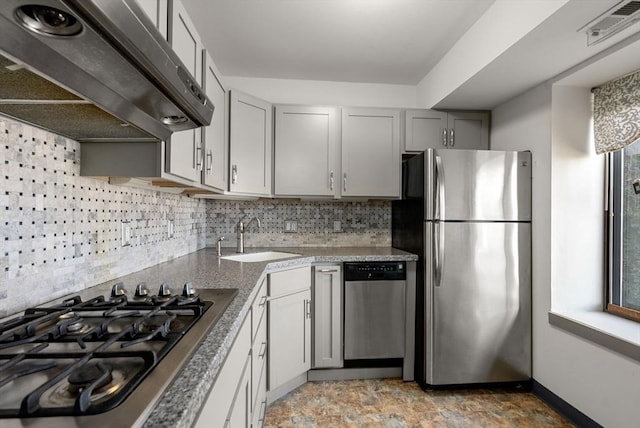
331,180
263,301
234,174
263,350
344,182
307,305
209,161
326,270
444,137
451,138
199,158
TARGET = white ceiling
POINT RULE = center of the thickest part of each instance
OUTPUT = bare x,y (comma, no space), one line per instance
394,42
372,41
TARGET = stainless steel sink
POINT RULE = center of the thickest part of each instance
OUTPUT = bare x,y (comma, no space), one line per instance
259,257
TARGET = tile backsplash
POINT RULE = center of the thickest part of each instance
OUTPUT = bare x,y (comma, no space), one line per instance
61,233
361,224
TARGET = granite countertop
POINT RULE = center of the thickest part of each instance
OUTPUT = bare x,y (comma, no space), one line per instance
181,401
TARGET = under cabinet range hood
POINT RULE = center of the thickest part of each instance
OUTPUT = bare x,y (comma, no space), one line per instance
94,70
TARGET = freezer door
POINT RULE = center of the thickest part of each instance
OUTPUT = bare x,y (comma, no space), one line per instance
477,185
478,303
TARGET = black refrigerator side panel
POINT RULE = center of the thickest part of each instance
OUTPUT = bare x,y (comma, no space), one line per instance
407,233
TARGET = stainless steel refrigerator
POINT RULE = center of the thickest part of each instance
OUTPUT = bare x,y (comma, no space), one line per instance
467,214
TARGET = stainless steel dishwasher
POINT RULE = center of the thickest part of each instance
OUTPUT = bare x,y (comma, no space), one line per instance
374,310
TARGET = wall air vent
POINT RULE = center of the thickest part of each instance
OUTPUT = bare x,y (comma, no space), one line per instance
614,20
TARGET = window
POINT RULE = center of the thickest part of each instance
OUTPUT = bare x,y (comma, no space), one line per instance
624,232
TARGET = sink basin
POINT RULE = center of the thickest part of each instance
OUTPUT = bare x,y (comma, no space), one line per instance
259,257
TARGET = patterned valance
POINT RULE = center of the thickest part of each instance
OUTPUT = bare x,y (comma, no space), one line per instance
616,113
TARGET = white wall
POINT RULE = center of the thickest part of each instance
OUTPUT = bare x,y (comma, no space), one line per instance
600,383
290,91
578,203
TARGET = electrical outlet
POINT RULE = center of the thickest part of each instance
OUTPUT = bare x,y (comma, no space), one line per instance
290,226
125,233
170,229
337,226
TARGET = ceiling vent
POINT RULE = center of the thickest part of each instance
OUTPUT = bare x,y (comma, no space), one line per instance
616,19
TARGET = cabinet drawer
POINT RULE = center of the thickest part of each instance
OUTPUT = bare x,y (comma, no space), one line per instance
260,405
216,407
289,281
259,359
258,308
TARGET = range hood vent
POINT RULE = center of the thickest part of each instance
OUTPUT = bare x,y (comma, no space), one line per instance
616,19
94,70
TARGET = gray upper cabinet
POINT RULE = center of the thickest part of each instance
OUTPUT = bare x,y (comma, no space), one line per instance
157,10
468,130
370,153
305,151
425,129
216,166
184,156
250,144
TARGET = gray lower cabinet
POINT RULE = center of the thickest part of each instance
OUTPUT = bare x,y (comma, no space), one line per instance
289,330
430,129
238,396
327,316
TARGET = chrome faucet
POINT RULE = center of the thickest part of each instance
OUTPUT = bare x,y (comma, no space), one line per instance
241,228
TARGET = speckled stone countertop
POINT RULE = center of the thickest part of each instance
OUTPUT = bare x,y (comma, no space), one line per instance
181,401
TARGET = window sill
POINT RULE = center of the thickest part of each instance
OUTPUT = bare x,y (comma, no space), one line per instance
610,331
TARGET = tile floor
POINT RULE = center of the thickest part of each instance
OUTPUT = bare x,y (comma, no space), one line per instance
393,403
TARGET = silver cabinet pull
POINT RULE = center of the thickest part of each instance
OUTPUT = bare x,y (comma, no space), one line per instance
451,138
234,174
326,270
307,305
209,161
344,182
199,157
263,350
444,137
331,180
263,301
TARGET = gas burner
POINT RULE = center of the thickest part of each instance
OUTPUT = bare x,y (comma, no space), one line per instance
90,373
73,323
65,393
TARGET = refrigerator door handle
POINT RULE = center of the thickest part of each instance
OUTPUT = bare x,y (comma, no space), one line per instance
438,252
439,184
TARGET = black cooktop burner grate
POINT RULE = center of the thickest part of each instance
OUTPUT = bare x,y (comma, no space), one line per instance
84,358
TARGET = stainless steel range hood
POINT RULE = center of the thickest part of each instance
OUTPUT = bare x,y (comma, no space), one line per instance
94,71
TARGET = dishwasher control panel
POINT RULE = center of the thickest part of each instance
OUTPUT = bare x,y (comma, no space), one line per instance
372,271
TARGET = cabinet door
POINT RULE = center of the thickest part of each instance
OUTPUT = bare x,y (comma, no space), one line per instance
305,151
240,413
371,152
250,145
289,338
468,130
424,129
327,317
216,165
184,155
157,11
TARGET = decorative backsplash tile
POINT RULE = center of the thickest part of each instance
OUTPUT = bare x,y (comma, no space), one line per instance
62,233
366,224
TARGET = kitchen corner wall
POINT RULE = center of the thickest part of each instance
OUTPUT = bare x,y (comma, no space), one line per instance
61,232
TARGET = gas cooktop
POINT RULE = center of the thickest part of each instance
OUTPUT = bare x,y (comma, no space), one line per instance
103,361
